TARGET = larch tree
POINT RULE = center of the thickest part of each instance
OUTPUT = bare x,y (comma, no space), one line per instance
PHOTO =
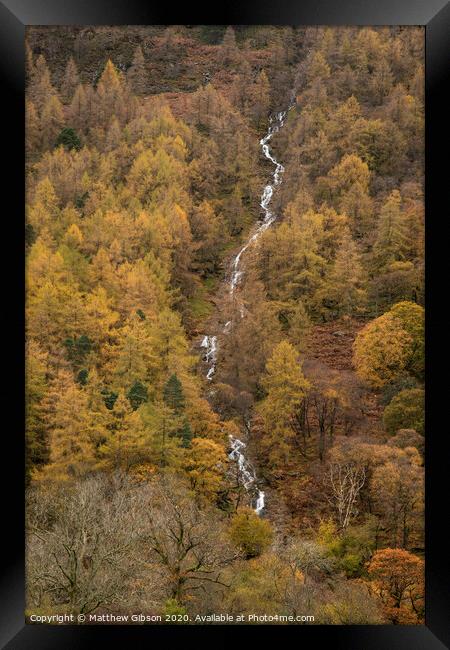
52,121
169,348
346,115
71,425
381,81
230,50
241,86
243,364
260,98
357,204
144,286
318,68
391,238
203,421
113,97
350,170
33,131
70,81
55,312
160,439
102,271
29,62
297,322
205,466
78,108
286,387
37,442
113,135
100,317
134,205
290,261
207,233
128,441
344,287
136,73
132,356
41,88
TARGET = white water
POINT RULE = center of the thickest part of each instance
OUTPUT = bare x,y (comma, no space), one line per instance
245,469
275,124
210,356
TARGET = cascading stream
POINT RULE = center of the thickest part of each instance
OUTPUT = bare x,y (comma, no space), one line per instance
275,125
245,469
210,356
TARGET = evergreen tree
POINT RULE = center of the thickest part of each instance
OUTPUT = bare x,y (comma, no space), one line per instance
78,349
173,394
186,435
137,394
109,398
83,377
68,139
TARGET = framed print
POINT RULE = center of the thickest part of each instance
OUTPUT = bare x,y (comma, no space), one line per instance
231,387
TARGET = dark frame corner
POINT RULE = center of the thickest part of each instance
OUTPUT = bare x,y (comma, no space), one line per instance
435,16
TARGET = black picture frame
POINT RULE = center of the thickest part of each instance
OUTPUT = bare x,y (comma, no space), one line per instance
435,16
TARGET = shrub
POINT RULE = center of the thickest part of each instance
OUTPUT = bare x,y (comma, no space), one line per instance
250,533
405,411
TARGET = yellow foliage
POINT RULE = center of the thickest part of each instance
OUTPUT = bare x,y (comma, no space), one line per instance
286,387
251,534
205,466
382,350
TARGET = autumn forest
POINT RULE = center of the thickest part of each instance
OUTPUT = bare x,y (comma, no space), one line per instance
225,324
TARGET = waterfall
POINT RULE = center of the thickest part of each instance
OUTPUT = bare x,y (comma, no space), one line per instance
245,469
275,124
210,356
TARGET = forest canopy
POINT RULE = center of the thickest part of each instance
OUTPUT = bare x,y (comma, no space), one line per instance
145,180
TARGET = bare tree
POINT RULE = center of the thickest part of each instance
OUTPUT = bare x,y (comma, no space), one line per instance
309,557
80,543
101,540
346,481
186,542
